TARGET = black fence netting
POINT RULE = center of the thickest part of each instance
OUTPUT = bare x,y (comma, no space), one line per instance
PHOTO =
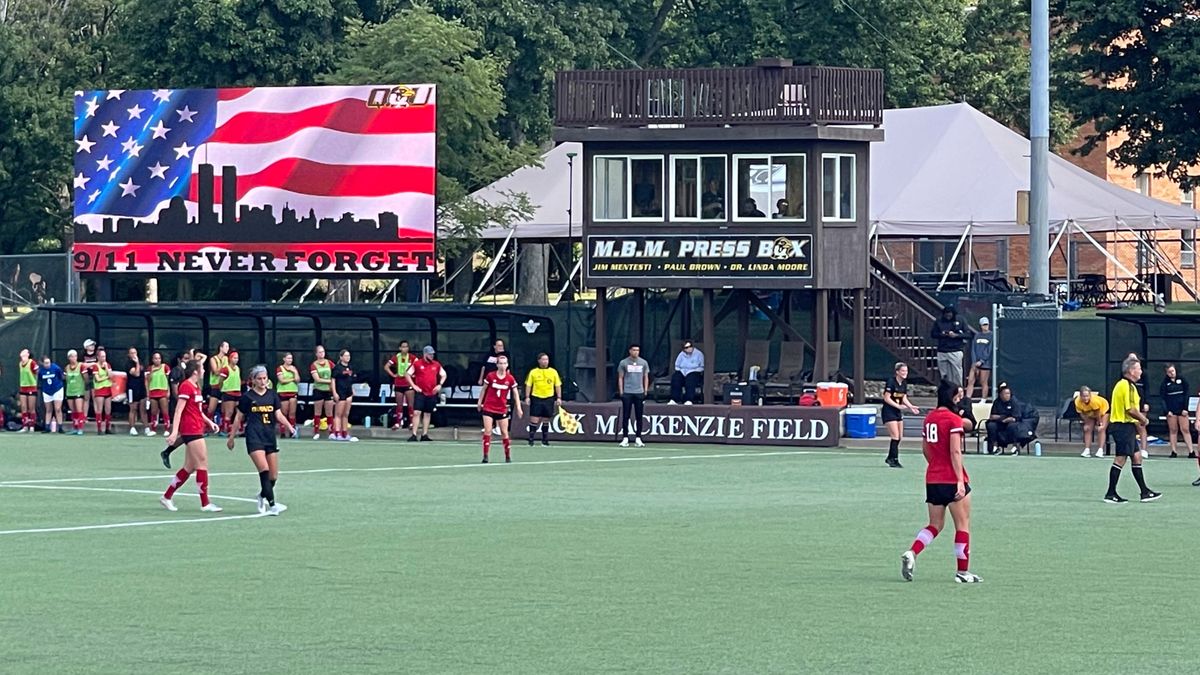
1045,360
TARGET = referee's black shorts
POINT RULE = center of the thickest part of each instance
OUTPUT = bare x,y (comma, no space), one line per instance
1125,438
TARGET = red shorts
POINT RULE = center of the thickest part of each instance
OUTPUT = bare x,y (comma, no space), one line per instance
158,393
287,395
28,391
104,392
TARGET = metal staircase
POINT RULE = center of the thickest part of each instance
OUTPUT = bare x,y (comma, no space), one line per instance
900,317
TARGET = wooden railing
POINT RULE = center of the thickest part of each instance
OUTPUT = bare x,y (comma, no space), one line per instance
900,316
718,96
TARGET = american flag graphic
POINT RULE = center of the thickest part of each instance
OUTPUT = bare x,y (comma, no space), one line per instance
162,165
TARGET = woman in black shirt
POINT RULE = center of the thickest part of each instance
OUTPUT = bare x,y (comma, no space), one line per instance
343,395
1174,392
260,409
895,402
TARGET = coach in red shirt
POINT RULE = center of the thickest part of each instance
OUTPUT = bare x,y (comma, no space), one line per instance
426,377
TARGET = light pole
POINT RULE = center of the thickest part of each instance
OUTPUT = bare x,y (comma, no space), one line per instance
570,259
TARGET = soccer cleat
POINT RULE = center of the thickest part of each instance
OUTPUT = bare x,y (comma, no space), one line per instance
1115,498
1192,454
546,444
908,560
531,442
894,463
107,431
1015,450
426,438
638,442
165,455
1099,452
1150,495
1087,452
151,432
1174,455
262,503
485,460
395,427
1146,452
508,460
317,436
1196,482
350,439
624,443
211,508
275,510
168,504
495,431
133,431
413,438
967,578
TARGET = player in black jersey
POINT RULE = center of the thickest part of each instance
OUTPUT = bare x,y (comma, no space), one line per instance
260,409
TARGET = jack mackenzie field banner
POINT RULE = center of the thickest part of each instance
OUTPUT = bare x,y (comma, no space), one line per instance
738,425
268,180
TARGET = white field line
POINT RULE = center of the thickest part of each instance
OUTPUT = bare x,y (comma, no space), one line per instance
421,467
140,523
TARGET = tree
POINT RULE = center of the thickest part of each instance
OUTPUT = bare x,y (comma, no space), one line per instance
1139,75
416,45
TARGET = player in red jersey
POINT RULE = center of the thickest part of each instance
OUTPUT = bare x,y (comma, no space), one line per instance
189,426
498,387
947,484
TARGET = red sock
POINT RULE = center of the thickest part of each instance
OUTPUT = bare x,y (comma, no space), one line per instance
397,414
77,420
180,478
507,448
202,481
924,537
487,444
962,549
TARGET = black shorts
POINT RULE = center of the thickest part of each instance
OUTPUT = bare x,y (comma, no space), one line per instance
541,407
425,404
1125,438
942,494
890,414
321,395
74,398
495,415
345,392
188,439
227,397
269,448
135,393
1178,411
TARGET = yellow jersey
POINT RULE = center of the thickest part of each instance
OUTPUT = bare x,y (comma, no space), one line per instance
540,382
1093,408
1124,398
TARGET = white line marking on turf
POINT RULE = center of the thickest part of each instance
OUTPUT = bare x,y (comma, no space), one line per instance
140,523
140,492
422,467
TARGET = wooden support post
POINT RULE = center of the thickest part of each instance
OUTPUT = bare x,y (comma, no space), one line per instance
821,337
601,393
685,315
709,339
743,330
639,316
860,345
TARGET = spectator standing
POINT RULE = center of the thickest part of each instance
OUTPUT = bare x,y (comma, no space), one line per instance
1093,410
689,374
1174,392
981,360
633,380
951,335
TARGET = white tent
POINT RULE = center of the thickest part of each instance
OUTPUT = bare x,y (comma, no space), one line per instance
940,169
546,186
945,167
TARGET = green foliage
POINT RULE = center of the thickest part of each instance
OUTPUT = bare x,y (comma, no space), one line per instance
1139,68
416,45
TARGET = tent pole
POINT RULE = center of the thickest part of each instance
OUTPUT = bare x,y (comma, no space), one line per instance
492,268
954,258
1107,254
970,257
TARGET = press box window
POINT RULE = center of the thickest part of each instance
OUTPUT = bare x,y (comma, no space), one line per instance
628,188
770,187
837,187
698,187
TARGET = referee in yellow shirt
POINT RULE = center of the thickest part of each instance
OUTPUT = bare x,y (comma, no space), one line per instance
1125,414
543,396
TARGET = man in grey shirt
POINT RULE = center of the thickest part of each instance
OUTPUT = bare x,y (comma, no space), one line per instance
633,380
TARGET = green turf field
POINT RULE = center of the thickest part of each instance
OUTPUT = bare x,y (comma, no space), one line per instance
402,558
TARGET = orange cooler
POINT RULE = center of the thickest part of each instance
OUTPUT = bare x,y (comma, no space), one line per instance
832,394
